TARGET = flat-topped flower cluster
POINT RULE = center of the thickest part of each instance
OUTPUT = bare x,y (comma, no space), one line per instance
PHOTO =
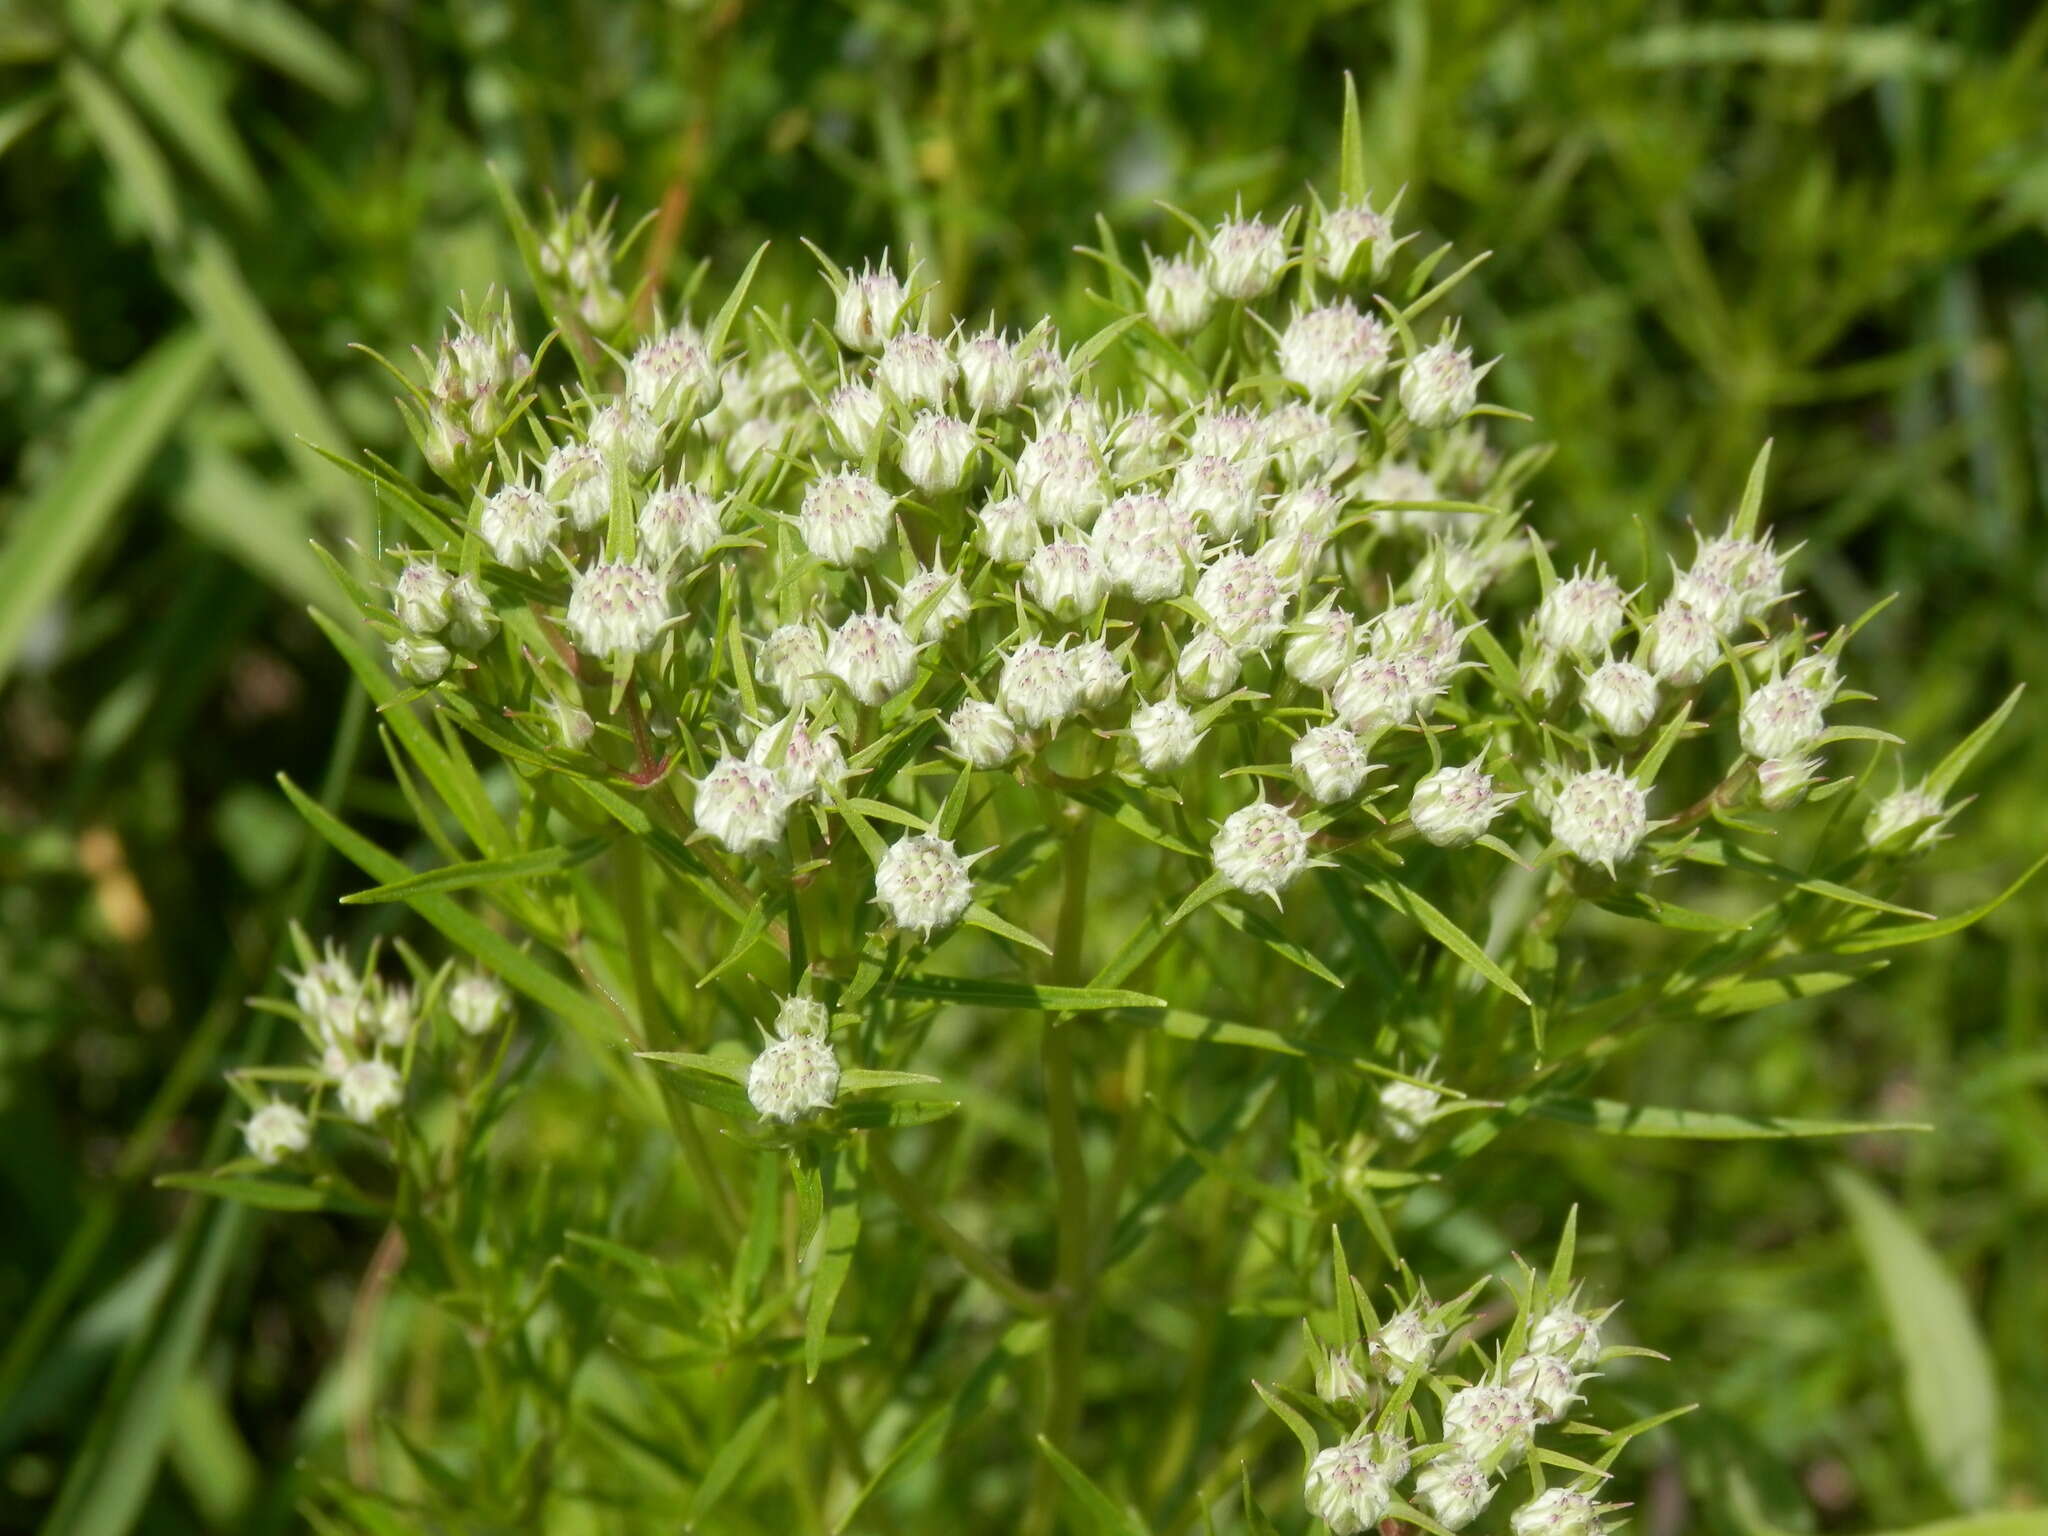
1432,1429
1253,527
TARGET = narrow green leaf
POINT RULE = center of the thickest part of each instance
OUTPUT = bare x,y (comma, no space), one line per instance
1612,1118
118,439
975,992
1951,1392
463,877
835,1259
1411,904
1919,933
733,1455
1949,772
1102,1514
267,1194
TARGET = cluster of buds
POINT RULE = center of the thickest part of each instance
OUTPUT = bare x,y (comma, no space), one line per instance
1489,1411
753,562
473,386
359,1025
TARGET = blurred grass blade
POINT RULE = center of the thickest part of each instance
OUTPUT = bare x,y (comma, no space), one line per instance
264,368
280,37
1951,1394
262,525
119,440
19,117
1613,1118
165,80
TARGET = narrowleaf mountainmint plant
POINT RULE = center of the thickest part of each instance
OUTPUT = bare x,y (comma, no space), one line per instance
979,810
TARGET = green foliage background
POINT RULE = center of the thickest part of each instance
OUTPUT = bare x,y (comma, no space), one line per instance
1710,224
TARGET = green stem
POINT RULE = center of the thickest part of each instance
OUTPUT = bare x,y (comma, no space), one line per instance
1070,1177
910,1198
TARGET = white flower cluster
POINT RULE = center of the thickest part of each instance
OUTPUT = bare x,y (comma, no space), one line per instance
884,542
1488,1427
359,1025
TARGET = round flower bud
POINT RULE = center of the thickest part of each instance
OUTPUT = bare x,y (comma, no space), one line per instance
276,1131
1220,495
1346,230
793,1077
1571,1335
1599,817
1246,258
1491,1425
1453,807
1347,1488
1065,578
1037,687
1453,1491
518,524
1622,697
1683,645
1321,646
1243,599
1407,1343
578,483
856,414
754,438
1224,432
869,308
1581,616
981,735
991,374
1261,849
617,609
1060,474
419,598
623,434
1305,517
792,658
805,758
1329,763
1209,665
742,806
1007,531
1407,1109
1782,782
1145,545
930,603
1333,351
1098,676
845,516
420,661
1338,1378
1142,442
1782,719
1376,692
679,524
1750,569
478,1002
1548,1381
1439,385
1707,595
471,619
1558,1512
1426,639
391,1020
1177,298
916,369
937,451
1905,821
368,1089
922,884
670,375
1047,376
872,655
1165,734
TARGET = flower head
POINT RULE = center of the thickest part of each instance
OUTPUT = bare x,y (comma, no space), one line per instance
679,523
1783,718
792,657
1166,735
1600,817
478,1002
617,608
1453,1490
1906,821
991,374
1348,1488
1453,807
578,482
1177,297
916,369
1261,849
743,806
873,655
870,307
1622,697
937,452
369,1089
980,734
1329,763
1246,257
1439,385
1037,686
1349,229
1558,1512
845,516
518,524
276,1131
1334,350
1492,1425
796,1075
923,884
1582,615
